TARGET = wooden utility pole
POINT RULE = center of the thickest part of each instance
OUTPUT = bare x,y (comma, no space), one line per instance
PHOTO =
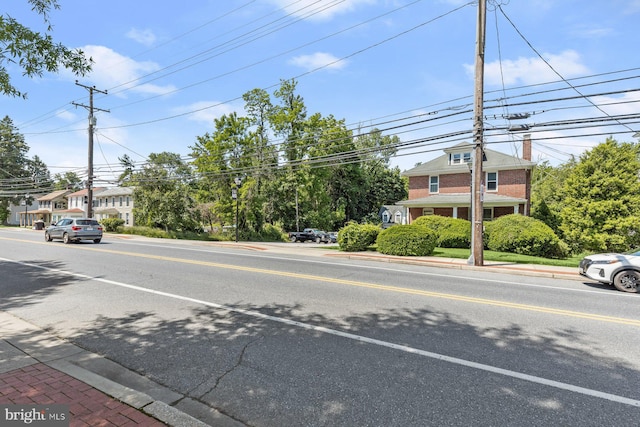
477,186
92,123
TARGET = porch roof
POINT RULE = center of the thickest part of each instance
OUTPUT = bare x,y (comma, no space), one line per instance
460,199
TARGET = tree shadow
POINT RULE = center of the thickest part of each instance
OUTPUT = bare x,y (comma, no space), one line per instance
266,372
256,368
30,282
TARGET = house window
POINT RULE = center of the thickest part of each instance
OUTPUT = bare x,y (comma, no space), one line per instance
492,181
120,201
113,202
385,217
127,218
427,211
458,158
434,186
487,214
127,200
398,219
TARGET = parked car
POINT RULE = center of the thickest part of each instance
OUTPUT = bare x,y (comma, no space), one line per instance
333,237
74,230
311,234
621,270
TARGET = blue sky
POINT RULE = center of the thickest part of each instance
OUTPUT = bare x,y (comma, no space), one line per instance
403,66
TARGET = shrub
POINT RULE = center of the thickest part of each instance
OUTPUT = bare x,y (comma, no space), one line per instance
451,232
357,237
111,224
268,233
407,240
524,235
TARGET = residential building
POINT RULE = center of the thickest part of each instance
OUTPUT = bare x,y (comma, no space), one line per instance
392,215
442,186
24,214
116,202
51,205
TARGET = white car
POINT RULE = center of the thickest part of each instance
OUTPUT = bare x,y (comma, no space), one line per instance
619,270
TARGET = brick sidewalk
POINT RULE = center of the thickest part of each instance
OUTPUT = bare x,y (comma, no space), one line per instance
40,384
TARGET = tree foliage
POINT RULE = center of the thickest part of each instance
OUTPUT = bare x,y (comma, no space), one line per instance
298,169
163,194
20,177
35,52
601,205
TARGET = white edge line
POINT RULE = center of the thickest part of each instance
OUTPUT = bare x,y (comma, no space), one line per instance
406,349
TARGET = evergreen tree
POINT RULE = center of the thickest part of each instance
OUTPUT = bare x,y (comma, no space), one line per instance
602,199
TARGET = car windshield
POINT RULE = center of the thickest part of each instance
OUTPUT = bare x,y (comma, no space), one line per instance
633,252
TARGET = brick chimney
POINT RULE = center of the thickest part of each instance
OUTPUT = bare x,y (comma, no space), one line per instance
526,147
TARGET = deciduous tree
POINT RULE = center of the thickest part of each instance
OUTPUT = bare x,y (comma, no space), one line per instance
35,52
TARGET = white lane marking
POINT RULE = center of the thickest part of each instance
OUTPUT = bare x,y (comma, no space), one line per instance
604,293
359,338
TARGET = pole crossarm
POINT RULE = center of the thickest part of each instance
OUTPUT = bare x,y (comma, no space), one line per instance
91,108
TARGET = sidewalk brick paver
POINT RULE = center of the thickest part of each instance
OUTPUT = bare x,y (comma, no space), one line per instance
40,384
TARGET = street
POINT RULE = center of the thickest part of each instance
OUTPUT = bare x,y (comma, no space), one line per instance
290,337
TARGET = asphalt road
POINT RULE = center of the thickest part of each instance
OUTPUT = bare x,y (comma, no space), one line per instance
274,338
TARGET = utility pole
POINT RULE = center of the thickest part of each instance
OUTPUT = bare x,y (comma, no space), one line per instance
477,187
92,123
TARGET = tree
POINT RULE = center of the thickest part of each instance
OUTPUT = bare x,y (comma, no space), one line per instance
602,199
547,197
67,181
164,194
14,175
35,52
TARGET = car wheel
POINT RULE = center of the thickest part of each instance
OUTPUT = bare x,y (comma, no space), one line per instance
318,240
47,236
65,238
96,240
293,239
627,281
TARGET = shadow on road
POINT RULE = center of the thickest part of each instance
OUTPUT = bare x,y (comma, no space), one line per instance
265,372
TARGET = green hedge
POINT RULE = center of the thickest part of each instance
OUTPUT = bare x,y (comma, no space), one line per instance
407,240
111,224
451,232
524,235
357,237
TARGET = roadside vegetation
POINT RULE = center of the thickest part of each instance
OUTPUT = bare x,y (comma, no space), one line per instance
280,168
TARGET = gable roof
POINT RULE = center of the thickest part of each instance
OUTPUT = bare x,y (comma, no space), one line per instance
54,195
495,161
117,191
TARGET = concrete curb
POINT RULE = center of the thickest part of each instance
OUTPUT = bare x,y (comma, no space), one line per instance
24,344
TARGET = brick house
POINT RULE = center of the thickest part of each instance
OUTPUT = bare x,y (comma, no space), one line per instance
442,186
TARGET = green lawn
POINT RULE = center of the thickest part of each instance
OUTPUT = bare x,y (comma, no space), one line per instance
509,257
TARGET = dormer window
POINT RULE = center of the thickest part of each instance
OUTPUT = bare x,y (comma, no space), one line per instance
459,158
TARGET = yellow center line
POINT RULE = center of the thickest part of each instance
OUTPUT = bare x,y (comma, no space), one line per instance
397,289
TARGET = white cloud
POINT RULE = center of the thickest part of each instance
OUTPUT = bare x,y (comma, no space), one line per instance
632,7
532,70
144,37
113,71
66,115
206,111
318,60
318,10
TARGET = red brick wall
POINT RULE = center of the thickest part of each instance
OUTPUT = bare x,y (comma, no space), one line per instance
457,183
418,187
443,211
502,211
512,183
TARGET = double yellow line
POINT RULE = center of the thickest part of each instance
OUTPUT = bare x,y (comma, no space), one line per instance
387,288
